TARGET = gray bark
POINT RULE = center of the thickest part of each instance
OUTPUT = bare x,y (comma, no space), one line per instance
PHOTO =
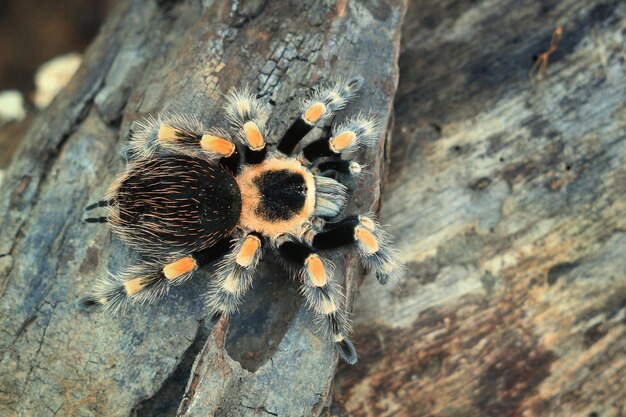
508,194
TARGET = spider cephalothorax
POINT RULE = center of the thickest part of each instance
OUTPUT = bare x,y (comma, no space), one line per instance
186,200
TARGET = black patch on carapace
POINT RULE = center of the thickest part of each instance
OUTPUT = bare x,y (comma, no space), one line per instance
283,194
178,202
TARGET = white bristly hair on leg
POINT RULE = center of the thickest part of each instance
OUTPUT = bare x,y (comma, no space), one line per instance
144,141
334,96
385,262
111,293
365,129
232,280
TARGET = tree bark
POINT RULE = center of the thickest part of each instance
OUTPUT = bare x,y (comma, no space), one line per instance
168,358
508,193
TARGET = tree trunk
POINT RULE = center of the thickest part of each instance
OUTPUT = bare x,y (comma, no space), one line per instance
508,193
168,358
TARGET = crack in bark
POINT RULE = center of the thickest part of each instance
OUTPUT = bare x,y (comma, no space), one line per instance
24,326
260,408
218,335
166,400
34,364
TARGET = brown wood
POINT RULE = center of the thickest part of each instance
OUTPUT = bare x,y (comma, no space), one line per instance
159,56
508,195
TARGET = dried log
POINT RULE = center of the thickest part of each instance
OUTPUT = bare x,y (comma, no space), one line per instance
159,56
509,193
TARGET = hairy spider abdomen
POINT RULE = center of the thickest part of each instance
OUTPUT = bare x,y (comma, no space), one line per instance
176,201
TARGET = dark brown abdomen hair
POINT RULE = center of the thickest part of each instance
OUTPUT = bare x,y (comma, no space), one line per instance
177,202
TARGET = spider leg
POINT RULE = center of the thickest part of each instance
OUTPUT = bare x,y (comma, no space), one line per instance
149,280
344,171
340,166
96,220
323,103
370,240
330,196
322,293
183,134
358,131
234,275
101,203
248,118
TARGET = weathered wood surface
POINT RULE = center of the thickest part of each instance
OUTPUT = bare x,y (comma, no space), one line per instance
155,56
509,198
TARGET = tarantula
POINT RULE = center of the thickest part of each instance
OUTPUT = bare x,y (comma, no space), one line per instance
186,199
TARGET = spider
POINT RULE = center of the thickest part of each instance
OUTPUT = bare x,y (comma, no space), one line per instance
541,62
190,196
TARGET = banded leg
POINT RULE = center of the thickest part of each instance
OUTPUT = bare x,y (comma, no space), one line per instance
322,104
358,131
370,240
101,203
247,116
323,295
149,280
183,134
234,275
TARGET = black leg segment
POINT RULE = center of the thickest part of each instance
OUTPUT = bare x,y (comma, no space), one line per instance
255,157
294,135
96,220
318,149
337,234
347,167
295,252
101,203
212,253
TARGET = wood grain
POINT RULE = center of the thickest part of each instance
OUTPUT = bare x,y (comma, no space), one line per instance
508,200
